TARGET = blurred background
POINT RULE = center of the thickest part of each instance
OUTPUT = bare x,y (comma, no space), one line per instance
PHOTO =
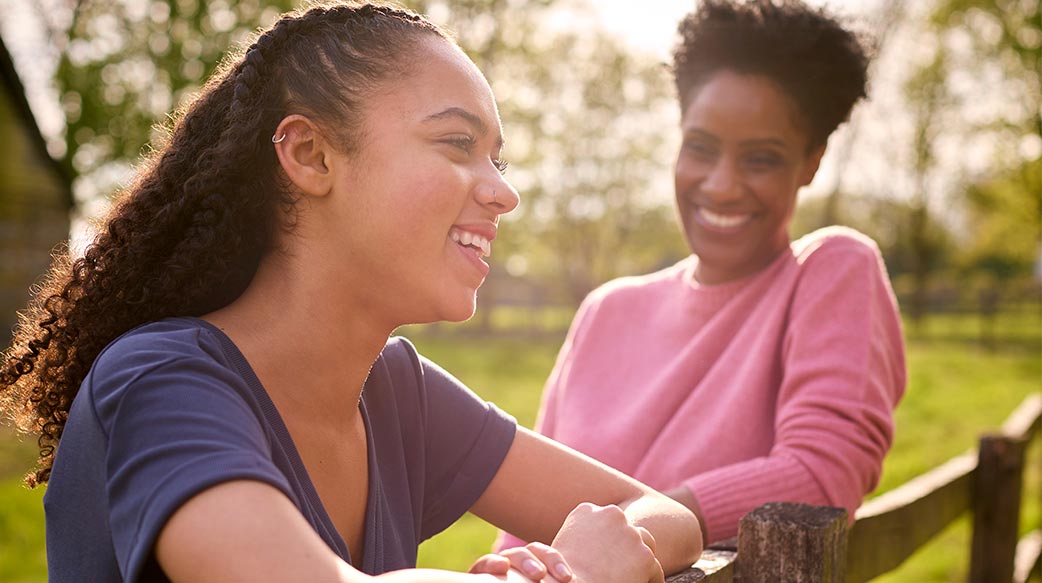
942,166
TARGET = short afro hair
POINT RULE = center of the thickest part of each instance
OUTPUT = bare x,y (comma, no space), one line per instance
816,61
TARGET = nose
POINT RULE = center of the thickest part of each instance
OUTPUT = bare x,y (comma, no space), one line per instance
721,182
499,195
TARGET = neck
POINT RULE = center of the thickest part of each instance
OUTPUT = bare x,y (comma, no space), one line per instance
309,347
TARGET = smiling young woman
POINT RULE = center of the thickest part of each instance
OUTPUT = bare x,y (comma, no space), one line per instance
758,369
215,373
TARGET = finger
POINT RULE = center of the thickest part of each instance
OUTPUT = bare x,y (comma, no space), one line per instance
524,560
491,564
648,538
554,562
658,575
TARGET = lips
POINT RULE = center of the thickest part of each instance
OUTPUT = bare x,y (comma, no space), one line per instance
475,241
721,222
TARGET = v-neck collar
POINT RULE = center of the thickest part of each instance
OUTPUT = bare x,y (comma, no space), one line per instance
328,532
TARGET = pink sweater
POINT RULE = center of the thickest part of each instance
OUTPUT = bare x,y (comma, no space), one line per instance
777,387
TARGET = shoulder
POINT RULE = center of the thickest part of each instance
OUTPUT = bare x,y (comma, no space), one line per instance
836,244
170,360
635,286
156,343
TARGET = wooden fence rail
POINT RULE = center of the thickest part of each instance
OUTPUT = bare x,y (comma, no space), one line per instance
796,543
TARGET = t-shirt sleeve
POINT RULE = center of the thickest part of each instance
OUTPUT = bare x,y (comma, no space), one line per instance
466,439
178,421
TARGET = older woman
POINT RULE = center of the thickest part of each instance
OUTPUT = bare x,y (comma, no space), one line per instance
757,369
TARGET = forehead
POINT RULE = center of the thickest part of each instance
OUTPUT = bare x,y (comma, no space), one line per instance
440,77
732,103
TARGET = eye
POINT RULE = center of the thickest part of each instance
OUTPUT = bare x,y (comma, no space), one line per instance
461,142
763,161
700,150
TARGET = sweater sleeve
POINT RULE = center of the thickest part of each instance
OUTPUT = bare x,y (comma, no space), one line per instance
843,367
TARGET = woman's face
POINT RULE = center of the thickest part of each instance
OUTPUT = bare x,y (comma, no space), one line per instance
742,160
422,194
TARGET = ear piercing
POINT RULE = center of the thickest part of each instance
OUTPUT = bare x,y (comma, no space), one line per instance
275,140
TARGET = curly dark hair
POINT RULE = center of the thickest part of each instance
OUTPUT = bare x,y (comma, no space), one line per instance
807,52
188,236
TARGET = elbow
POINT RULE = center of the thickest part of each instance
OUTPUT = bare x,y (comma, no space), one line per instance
687,545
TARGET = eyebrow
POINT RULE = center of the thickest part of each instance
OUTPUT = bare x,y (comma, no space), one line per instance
459,112
745,143
470,118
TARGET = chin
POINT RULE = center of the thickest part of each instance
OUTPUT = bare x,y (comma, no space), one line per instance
460,310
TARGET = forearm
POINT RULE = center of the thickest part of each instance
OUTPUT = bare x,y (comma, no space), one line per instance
676,528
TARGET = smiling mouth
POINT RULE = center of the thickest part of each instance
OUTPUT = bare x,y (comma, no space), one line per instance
472,241
722,221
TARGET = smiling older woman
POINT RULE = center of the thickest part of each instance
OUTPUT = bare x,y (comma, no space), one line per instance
216,372
757,369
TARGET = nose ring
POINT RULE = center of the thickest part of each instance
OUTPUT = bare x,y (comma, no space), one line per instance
494,201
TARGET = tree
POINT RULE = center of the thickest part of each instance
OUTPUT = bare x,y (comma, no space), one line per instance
126,64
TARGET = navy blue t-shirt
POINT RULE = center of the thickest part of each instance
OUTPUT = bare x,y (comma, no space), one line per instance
172,408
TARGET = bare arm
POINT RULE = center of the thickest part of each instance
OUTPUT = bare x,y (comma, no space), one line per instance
249,531
541,482
686,497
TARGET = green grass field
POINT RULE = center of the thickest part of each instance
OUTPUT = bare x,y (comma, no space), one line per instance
956,391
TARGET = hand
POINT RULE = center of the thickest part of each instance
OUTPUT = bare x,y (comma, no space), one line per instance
601,546
536,561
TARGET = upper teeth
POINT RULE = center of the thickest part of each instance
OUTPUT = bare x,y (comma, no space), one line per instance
718,220
468,238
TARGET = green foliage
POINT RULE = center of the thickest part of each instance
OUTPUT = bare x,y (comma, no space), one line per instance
127,64
1006,33
1006,218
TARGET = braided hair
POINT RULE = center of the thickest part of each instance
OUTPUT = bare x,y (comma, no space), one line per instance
819,64
190,233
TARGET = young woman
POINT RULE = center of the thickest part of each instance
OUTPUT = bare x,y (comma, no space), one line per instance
757,369
217,365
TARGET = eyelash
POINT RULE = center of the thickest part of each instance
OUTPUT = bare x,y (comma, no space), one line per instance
759,161
466,143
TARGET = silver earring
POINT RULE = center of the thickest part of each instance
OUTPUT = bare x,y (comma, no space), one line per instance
278,140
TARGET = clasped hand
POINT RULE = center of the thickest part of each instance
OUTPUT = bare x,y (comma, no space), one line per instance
596,544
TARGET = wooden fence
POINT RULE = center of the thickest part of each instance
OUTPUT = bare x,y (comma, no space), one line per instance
796,543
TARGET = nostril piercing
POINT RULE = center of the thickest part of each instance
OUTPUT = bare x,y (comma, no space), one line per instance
494,201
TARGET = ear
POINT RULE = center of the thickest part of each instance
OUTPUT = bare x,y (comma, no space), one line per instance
811,164
304,155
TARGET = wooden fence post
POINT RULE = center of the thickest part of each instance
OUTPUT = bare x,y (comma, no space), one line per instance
795,543
996,508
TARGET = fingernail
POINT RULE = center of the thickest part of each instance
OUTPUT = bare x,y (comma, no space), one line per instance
531,567
562,570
